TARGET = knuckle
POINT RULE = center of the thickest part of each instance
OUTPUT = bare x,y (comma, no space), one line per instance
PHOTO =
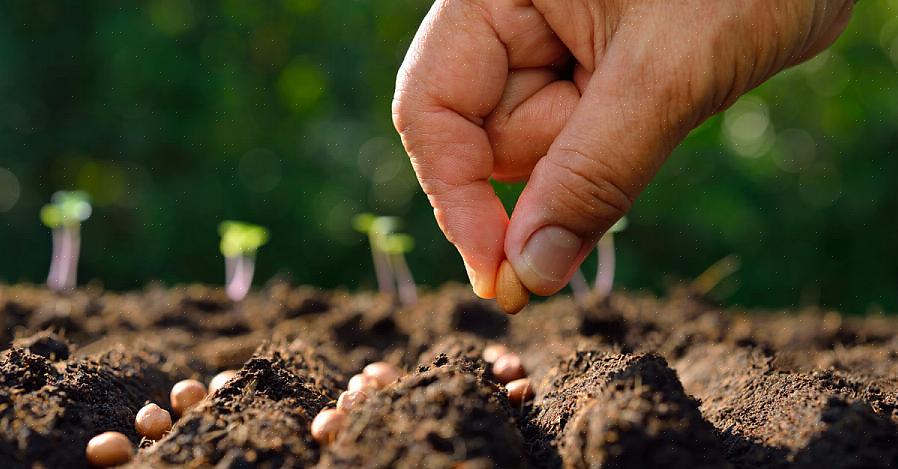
590,188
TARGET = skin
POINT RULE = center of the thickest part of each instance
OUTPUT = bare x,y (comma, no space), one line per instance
583,99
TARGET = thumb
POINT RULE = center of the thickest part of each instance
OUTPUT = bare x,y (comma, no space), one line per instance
615,141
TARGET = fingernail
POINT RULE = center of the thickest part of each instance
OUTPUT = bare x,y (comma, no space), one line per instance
550,252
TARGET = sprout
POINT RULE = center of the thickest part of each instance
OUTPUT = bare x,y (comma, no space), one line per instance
388,249
605,271
714,275
239,243
64,215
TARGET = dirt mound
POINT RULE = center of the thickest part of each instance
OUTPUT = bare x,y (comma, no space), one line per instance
742,389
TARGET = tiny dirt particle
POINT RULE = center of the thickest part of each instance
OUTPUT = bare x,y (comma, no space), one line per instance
152,421
327,425
109,449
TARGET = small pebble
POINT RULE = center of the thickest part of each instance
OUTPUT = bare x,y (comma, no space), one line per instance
152,422
383,373
492,352
327,425
109,449
350,399
361,382
186,394
519,391
219,380
508,368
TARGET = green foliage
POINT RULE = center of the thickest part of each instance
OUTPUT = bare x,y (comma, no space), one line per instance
397,243
66,208
241,239
175,115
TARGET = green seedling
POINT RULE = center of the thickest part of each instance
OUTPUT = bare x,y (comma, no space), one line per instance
605,269
714,275
239,243
64,215
388,249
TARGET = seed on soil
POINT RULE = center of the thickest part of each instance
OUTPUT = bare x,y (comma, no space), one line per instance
186,394
383,373
361,382
511,294
109,449
152,421
327,425
219,380
519,391
350,399
508,368
492,352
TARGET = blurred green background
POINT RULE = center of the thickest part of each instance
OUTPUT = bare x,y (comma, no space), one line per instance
176,115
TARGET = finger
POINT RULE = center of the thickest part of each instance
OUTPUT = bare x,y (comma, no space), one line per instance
618,136
531,113
451,78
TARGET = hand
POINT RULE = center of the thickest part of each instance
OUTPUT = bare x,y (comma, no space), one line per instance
584,99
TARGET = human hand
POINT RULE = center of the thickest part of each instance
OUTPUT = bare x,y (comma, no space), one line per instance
584,99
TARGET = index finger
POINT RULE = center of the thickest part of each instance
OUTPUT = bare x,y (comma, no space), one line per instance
452,77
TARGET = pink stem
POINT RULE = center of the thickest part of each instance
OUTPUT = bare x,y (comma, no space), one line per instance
579,285
242,278
54,277
382,268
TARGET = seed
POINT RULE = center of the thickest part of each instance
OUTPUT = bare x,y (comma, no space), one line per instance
508,368
492,352
327,425
152,421
361,382
519,391
109,449
219,380
382,373
511,294
186,394
350,399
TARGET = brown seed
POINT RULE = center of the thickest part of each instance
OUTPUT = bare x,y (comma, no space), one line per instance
519,391
186,394
218,381
327,425
383,373
350,399
511,294
361,382
109,449
492,352
508,368
152,421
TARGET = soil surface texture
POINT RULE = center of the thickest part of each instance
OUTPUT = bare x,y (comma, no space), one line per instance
633,381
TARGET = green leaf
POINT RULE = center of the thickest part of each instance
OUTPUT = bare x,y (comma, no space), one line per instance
66,208
397,243
239,238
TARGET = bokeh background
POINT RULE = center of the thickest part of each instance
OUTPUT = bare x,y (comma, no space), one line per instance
176,115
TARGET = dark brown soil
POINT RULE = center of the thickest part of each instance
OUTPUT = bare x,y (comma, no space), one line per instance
636,382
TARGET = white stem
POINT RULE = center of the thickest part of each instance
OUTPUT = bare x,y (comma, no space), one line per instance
605,275
408,292
54,277
381,267
579,285
242,277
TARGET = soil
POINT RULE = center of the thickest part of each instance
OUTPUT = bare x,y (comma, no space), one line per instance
635,381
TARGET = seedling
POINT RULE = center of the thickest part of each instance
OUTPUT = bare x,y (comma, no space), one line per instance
714,275
64,215
605,269
239,243
388,249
